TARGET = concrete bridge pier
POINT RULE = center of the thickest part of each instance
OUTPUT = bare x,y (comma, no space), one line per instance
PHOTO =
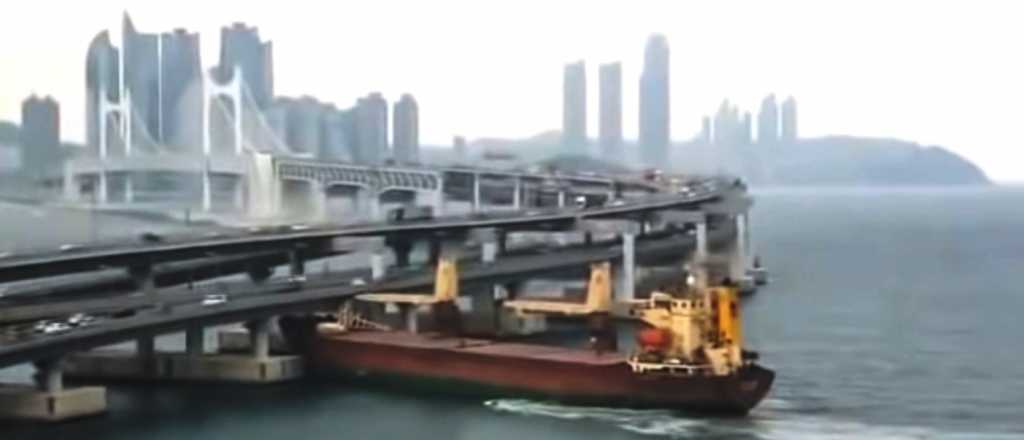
477,207
49,400
625,270
368,202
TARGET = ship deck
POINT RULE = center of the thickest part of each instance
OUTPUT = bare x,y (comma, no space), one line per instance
431,341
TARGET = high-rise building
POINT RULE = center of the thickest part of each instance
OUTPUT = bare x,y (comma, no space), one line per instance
574,108
768,121
705,136
371,129
745,129
654,103
141,75
180,93
610,136
162,73
728,125
406,127
459,145
789,133
101,76
336,134
241,45
40,136
304,123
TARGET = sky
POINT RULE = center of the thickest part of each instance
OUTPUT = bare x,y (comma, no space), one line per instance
937,72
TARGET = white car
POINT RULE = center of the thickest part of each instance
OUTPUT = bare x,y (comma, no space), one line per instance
299,227
80,319
358,282
54,328
68,247
214,300
297,279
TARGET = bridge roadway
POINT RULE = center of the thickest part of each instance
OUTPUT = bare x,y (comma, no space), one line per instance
19,267
327,293
16,310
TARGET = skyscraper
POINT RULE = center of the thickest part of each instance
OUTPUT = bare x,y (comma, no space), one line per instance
789,133
406,136
40,136
574,109
336,134
371,129
101,73
728,125
610,78
162,73
241,45
768,121
459,145
305,117
746,129
654,103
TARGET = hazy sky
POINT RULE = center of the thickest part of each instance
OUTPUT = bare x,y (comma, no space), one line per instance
937,72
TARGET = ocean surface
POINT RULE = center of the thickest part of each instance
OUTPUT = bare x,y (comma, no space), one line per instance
892,314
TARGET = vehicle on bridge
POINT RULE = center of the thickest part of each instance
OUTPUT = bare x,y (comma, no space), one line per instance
410,213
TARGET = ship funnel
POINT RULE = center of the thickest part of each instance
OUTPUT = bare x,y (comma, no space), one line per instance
599,289
446,281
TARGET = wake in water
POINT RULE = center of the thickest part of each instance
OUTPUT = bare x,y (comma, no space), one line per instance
775,419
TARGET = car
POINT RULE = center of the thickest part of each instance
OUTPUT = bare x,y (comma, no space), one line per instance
68,247
214,300
357,282
6,255
55,328
41,326
297,279
151,237
299,227
410,213
79,319
616,202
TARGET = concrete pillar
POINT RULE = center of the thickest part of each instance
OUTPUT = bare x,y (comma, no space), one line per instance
194,341
296,263
402,250
50,375
207,189
702,240
517,194
435,250
145,347
489,251
318,202
476,193
70,190
129,189
377,266
561,199
239,194
100,191
626,272
259,334
502,239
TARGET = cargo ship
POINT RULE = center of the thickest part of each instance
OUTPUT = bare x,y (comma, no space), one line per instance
689,354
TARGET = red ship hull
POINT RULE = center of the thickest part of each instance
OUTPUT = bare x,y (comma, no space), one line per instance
564,374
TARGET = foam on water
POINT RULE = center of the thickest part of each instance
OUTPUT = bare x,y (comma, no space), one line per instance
775,419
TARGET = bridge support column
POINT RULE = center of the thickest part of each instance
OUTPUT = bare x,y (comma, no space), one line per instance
49,401
238,193
402,250
702,240
296,263
259,333
476,193
377,267
435,244
561,199
101,191
368,202
517,195
207,189
129,189
194,341
625,272
318,202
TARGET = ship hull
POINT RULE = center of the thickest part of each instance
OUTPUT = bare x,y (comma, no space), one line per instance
492,368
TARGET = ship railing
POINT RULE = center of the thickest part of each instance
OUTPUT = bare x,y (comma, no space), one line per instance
676,369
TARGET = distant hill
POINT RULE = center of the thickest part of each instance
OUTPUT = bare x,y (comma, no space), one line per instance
833,160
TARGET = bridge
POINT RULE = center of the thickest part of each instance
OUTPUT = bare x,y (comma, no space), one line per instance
239,164
705,220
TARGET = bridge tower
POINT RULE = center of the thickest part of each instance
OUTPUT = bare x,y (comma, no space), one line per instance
122,110
212,90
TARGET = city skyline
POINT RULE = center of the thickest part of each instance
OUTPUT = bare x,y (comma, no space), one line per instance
872,91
